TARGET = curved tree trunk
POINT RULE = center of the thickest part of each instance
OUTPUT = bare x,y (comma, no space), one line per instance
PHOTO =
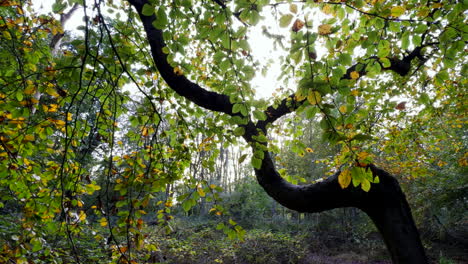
385,203
392,216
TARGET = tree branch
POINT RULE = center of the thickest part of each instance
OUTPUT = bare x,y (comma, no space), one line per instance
402,67
384,203
179,83
54,43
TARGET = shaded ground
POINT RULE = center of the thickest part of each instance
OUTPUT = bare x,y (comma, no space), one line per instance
262,246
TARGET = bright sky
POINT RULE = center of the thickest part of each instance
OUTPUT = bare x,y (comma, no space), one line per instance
262,47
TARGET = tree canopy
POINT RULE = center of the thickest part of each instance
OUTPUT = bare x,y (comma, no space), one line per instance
100,127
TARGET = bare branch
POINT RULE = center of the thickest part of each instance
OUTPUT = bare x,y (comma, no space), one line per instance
54,43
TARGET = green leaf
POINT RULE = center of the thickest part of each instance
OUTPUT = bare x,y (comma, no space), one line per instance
19,96
345,58
397,11
148,10
121,203
161,18
385,62
239,131
358,3
261,138
405,40
260,115
236,108
285,20
259,154
424,98
241,159
58,7
36,243
361,137
186,205
311,111
365,185
417,40
226,40
394,26
256,163
244,110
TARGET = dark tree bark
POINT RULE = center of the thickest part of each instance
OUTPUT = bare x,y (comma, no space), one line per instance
385,203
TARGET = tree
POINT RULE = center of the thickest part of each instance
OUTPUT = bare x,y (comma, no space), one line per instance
435,29
361,70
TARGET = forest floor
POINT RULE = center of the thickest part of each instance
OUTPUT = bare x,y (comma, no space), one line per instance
204,244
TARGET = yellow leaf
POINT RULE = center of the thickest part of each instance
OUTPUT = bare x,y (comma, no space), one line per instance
354,75
293,8
51,91
29,138
21,261
397,11
6,35
344,179
212,186
343,109
58,123
423,12
365,185
201,192
144,131
327,9
53,108
354,92
79,203
314,97
324,29
69,116
30,90
299,96
362,155
178,71
309,150
82,216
